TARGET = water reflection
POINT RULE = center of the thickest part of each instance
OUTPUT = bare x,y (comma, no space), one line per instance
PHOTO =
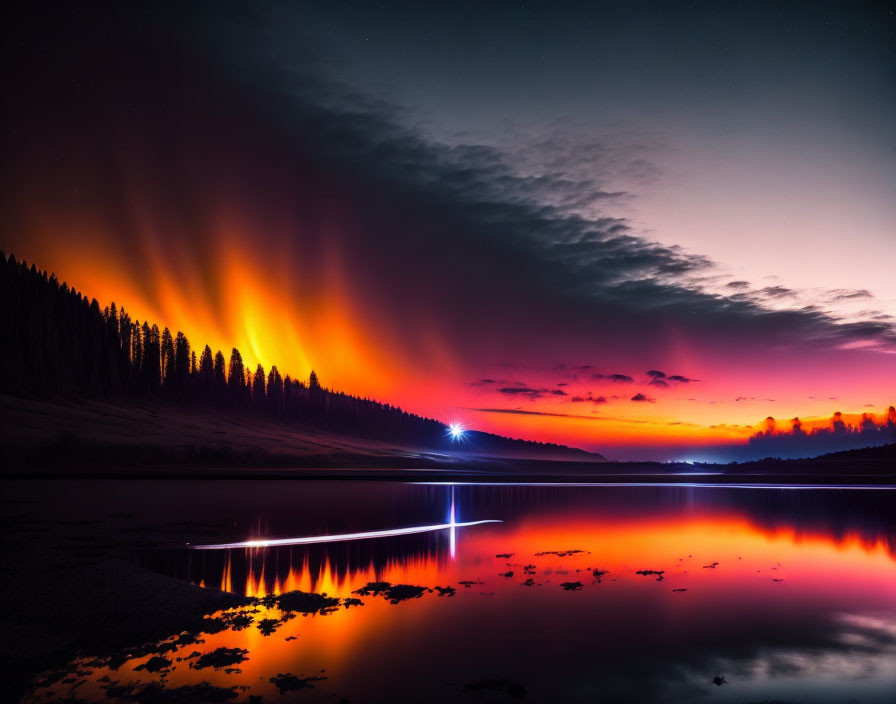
581,593
615,515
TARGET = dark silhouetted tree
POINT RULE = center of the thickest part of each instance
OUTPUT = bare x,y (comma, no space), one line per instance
275,393
258,398
220,394
236,379
167,360
206,384
247,389
137,358
152,359
181,366
125,342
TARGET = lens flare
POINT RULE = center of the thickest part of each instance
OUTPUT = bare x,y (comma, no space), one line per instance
456,431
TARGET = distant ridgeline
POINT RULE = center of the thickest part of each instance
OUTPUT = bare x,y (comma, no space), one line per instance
57,343
837,436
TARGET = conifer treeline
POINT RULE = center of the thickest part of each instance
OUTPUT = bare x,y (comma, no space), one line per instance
58,343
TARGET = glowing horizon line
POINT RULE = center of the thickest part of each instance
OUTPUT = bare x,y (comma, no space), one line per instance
340,537
690,485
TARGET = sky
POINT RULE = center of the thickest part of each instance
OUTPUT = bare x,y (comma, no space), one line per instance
637,228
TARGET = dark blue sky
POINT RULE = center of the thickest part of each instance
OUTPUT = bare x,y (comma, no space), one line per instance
729,124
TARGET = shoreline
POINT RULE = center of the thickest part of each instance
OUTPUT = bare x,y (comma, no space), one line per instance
455,476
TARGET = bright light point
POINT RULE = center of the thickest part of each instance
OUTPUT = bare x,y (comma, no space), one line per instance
456,431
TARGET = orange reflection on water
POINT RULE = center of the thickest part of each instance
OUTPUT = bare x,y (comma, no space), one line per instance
612,543
733,571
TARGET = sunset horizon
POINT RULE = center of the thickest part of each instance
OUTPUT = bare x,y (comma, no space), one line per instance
293,208
448,352
656,437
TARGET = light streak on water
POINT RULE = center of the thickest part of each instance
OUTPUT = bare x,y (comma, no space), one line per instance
342,537
453,523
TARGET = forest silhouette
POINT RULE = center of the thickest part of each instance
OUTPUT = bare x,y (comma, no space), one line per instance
60,344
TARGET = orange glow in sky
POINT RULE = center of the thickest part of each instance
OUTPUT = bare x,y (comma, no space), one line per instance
303,315
297,281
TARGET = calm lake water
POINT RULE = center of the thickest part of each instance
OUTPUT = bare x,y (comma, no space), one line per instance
580,593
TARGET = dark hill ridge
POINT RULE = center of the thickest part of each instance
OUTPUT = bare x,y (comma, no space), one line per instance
872,460
95,385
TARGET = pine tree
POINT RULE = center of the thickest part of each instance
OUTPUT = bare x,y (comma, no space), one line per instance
236,381
152,364
258,395
220,381
275,393
136,356
167,361
181,365
206,375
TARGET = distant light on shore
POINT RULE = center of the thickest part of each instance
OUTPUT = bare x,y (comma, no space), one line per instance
456,431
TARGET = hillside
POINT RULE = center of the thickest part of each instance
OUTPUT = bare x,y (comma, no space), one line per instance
85,385
61,432
880,460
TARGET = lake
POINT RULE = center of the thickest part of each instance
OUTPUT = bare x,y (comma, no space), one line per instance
574,593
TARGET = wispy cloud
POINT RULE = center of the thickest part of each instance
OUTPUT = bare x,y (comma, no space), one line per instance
520,412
